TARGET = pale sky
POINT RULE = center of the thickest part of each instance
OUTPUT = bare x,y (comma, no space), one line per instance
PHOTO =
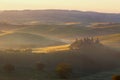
112,6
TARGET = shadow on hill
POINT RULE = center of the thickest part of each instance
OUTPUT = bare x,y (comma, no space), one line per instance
88,55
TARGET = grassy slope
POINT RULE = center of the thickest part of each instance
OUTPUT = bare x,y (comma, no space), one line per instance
57,31
51,49
18,39
72,31
111,40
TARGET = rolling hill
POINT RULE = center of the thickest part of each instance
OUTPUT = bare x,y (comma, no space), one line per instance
56,16
54,36
26,40
89,61
57,31
111,40
73,30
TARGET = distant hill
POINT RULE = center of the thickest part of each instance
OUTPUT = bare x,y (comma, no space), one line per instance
26,40
56,16
73,30
106,28
59,31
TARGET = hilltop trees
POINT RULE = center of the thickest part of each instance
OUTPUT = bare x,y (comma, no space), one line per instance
84,43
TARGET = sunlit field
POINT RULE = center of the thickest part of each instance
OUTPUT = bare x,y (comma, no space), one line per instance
112,41
51,49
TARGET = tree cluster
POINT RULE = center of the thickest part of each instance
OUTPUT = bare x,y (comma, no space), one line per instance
84,43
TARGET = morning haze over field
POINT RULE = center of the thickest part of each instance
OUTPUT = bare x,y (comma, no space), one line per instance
59,40
110,6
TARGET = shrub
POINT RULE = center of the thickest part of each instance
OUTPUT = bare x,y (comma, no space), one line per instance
9,68
116,77
64,70
40,66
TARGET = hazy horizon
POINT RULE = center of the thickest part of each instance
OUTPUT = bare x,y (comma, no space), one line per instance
60,10
104,6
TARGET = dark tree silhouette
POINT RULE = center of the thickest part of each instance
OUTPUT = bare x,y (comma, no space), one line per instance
85,43
64,70
40,66
9,68
116,77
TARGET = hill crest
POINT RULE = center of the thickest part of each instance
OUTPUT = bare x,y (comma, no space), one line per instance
56,16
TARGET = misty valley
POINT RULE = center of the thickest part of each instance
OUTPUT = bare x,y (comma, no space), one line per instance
59,45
